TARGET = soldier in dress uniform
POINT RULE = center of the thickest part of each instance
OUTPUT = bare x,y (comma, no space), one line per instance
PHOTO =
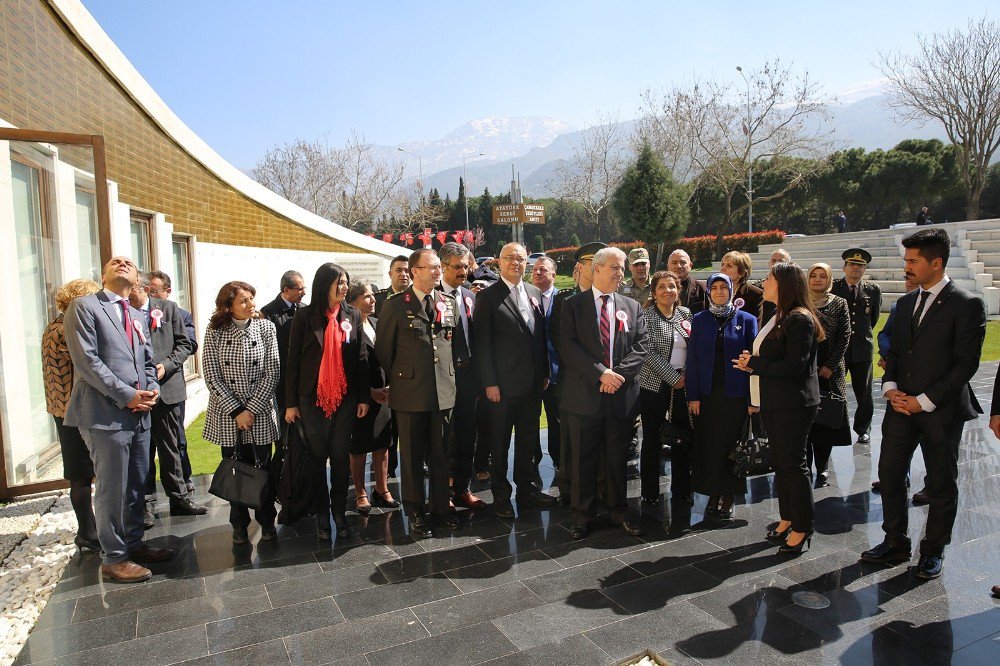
413,343
637,286
399,280
864,299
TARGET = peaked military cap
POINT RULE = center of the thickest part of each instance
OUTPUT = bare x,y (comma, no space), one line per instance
856,255
589,250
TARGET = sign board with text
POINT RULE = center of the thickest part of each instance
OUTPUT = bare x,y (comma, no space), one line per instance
519,214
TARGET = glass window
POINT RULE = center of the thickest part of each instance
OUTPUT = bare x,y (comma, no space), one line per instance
29,436
141,250
86,230
180,281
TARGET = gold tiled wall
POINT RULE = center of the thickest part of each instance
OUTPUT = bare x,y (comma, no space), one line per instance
49,81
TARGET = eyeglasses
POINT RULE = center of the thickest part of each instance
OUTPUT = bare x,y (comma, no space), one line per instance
458,267
513,260
431,268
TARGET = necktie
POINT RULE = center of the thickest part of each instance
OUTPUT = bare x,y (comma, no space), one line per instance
429,307
606,330
854,293
522,307
126,319
915,321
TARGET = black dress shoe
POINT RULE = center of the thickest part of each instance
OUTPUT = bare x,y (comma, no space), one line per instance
631,528
343,527
864,439
420,525
562,501
929,566
323,527
185,507
503,508
145,554
920,498
822,480
450,522
240,535
148,517
886,553
268,533
93,545
995,591
537,497
578,532
876,486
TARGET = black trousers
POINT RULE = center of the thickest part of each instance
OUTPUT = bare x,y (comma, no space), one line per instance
591,437
521,415
939,443
862,377
788,436
239,514
550,398
653,406
483,439
164,442
329,439
462,448
422,438
182,443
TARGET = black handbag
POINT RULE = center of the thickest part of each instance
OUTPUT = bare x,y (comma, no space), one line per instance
832,409
239,482
678,436
752,454
297,483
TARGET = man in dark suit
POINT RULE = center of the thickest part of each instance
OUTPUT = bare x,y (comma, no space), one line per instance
692,292
413,342
160,287
602,347
543,276
455,262
399,280
513,366
934,351
864,300
171,347
114,389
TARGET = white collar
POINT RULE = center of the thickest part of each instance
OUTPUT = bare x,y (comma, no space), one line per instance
513,287
936,290
113,297
598,293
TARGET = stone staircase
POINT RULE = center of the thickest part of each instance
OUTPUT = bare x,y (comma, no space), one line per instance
974,263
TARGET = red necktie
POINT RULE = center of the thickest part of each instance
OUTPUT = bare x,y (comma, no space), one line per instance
606,330
126,320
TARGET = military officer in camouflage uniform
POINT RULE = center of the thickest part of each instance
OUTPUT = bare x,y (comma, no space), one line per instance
864,300
637,287
413,344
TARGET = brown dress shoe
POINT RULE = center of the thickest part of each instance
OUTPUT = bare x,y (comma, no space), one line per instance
469,501
149,554
126,572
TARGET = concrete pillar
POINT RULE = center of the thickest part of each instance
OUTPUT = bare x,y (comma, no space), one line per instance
991,296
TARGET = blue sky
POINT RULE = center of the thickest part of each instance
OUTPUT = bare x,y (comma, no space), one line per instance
248,74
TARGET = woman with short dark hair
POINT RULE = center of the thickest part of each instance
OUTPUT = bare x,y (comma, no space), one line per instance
784,385
326,385
241,368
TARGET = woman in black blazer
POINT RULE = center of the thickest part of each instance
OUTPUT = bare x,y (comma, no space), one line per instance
327,386
784,385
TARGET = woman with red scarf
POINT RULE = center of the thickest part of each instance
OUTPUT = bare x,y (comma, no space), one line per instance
327,387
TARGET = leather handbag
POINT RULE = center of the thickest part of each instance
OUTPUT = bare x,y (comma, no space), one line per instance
752,454
832,409
678,436
239,482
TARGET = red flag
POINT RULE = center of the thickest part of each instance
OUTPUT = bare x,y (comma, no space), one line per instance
470,238
457,236
425,237
387,238
442,237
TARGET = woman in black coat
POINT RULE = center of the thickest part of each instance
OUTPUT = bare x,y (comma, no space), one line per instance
327,386
784,385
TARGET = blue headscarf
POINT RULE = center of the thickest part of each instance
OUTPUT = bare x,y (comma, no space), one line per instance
720,310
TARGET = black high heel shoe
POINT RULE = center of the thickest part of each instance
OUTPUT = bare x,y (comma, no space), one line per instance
797,549
363,510
776,536
83,543
380,500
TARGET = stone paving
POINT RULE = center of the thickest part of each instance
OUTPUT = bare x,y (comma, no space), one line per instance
521,591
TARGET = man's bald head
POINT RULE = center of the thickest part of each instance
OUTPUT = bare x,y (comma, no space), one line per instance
780,255
680,263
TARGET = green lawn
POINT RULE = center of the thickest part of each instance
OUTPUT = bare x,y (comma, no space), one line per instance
564,282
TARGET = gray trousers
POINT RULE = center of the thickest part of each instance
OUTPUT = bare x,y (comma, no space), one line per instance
121,463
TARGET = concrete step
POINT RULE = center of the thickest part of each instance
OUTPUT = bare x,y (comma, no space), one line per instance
877,274
987,246
899,286
759,263
983,235
877,237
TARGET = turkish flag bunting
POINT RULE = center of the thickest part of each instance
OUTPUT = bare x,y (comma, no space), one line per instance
470,238
387,238
458,236
442,237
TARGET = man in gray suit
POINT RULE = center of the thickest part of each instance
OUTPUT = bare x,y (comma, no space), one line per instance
114,389
171,347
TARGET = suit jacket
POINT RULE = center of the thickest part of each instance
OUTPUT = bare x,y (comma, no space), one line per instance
108,369
189,328
171,347
281,316
693,295
507,353
305,354
940,358
461,343
737,335
417,353
550,344
786,365
995,406
864,317
582,355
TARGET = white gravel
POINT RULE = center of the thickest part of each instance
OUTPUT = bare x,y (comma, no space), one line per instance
30,572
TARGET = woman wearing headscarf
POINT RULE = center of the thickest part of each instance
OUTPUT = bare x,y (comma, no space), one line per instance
327,386
785,387
835,317
718,395
57,372
738,265
241,367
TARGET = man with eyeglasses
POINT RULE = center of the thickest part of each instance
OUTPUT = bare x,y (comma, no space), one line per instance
413,342
512,360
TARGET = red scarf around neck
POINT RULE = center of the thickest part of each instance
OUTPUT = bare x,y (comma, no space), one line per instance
332,385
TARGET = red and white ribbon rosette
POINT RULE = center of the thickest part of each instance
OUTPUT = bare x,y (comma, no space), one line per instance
739,303
534,303
441,309
346,327
686,325
622,318
138,329
468,306
156,315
